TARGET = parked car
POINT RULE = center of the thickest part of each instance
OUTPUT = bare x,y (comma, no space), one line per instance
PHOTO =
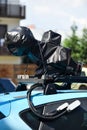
16,111
6,85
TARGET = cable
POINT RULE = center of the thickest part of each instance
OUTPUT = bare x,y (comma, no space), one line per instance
52,116
44,65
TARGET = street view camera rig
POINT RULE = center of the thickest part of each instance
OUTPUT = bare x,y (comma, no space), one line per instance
53,60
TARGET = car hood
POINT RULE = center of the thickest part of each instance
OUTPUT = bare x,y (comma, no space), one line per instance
16,97
7,99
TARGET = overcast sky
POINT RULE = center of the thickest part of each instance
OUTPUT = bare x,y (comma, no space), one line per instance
56,15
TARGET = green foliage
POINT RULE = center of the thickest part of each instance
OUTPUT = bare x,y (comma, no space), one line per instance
73,42
83,46
78,44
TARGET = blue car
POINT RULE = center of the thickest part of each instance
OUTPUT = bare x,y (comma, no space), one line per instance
54,106
36,110
6,85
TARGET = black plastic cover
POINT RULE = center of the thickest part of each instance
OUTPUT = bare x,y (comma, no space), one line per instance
50,56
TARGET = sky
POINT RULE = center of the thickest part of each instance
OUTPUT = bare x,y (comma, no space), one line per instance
56,15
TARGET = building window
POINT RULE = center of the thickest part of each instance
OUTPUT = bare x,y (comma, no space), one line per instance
3,30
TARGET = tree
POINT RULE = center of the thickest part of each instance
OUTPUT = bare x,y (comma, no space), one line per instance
83,46
73,42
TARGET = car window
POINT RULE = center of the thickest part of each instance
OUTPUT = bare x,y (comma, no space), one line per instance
2,90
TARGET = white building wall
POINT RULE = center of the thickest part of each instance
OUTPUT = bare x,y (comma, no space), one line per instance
10,60
11,23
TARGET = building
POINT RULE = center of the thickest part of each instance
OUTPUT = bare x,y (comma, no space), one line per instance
11,12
